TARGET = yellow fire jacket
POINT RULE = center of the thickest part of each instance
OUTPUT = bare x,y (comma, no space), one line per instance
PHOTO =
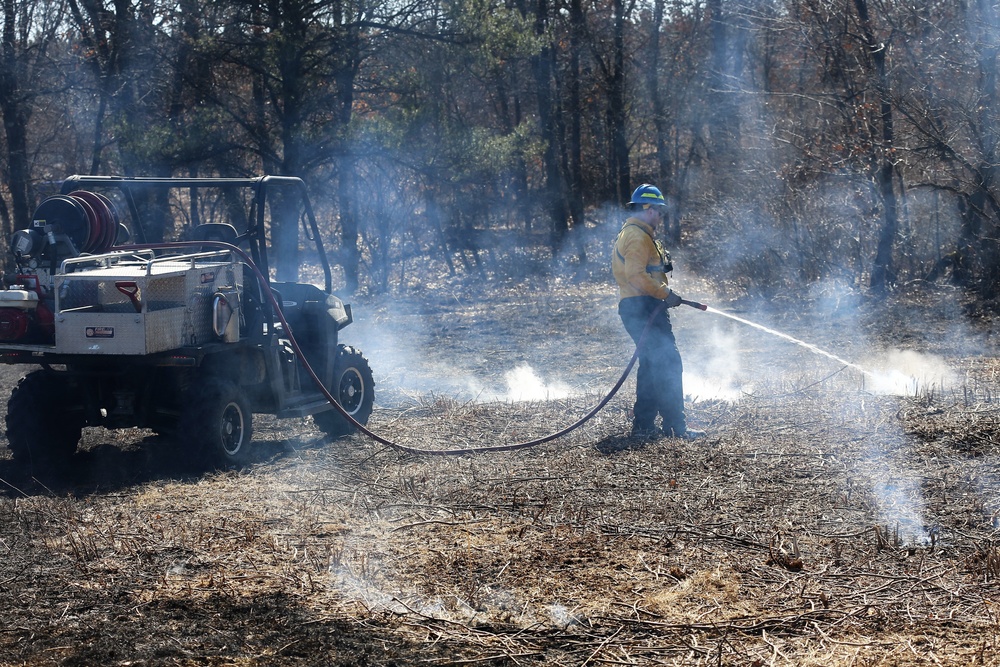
638,263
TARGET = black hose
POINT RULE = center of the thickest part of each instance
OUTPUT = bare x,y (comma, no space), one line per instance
530,443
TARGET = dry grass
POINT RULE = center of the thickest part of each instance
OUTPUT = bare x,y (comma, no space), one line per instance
818,524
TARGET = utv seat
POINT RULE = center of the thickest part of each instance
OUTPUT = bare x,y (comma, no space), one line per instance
215,231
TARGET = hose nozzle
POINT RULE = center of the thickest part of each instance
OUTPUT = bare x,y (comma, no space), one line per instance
694,304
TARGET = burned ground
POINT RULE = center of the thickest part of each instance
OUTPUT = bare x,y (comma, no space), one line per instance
821,522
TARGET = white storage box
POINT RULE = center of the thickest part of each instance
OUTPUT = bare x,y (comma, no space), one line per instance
139,306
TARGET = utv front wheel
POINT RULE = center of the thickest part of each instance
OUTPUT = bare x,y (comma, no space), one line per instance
44,423
218,425
354,389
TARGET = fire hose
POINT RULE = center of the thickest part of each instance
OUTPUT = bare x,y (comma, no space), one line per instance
498,448
364,429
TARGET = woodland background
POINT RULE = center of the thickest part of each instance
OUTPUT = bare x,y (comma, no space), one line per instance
818,144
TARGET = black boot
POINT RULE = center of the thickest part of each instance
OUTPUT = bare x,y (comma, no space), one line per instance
644,432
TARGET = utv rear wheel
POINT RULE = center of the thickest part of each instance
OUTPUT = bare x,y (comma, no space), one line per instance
354,389
218,425
44,422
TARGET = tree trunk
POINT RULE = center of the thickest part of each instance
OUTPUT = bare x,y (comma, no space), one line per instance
984,202
620,172
574,141
350,255
883,269
15,121
554,202
661,126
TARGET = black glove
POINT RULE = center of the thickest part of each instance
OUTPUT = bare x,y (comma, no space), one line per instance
673,299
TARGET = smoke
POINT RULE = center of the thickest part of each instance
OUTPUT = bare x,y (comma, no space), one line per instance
719,355
520,384
362,589
715,373
900,505
561,616
909,373
413,354
524,384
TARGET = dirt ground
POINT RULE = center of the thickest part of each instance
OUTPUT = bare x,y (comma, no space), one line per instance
824,520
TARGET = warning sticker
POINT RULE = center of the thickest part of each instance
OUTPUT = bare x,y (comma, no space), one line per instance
100,332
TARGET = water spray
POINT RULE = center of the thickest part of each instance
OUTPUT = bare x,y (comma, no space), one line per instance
809,346
884,381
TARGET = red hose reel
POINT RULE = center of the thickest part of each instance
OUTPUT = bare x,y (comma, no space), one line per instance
88,219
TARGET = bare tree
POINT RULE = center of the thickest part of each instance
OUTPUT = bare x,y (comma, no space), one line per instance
28,30
883,268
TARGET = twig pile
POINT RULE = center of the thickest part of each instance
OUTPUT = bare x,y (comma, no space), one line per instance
818,524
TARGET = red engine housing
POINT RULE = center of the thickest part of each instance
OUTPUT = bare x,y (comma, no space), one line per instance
14,324
33,324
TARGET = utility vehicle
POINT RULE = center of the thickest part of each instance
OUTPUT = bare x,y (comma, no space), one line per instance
188,338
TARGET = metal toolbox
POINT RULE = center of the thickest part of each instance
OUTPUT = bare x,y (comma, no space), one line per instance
135,304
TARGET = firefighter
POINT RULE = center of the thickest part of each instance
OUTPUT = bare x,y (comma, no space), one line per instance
640,265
